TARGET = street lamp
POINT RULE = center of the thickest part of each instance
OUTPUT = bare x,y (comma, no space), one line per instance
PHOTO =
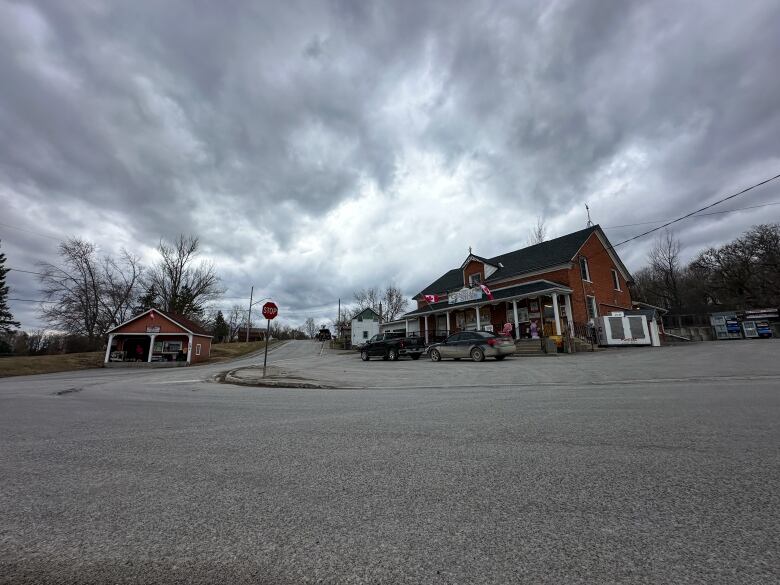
249,315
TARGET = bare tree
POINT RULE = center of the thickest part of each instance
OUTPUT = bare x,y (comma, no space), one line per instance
88,295
667,270
236,319
393,303
180,283
538,232
310,327
366,298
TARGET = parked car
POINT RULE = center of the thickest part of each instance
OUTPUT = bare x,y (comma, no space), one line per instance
391,346
476,345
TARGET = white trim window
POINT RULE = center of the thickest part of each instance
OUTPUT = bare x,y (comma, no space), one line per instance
475,278
593,310
197,349
584,270
615,279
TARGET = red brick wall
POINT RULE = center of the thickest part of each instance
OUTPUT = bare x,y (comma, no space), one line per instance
473,267
601,285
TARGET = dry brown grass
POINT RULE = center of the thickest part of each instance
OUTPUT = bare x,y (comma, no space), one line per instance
221,352
46,364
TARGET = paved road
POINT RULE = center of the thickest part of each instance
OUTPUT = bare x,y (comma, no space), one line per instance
653,466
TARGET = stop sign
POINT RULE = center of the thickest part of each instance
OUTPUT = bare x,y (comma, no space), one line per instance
270,310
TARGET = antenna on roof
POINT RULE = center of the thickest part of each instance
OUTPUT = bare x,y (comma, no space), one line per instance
469,250
587,209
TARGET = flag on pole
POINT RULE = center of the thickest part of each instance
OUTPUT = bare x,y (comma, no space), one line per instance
432,298
486,290
151,315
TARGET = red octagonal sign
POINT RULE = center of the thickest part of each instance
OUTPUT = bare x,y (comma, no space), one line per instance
270,310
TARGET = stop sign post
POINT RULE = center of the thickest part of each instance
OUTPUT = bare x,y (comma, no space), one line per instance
270,311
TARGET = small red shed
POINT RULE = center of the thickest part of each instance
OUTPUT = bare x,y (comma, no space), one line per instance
158,337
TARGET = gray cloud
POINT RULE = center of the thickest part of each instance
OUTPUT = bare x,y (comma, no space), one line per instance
317,148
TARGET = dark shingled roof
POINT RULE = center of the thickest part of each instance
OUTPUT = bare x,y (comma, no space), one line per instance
185,322
539,256
528,288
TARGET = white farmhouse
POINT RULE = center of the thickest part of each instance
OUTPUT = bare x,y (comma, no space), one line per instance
364,326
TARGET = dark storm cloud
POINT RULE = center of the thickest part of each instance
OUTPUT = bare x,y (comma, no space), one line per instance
318,147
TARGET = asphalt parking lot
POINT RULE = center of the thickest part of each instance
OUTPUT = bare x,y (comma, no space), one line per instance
635,466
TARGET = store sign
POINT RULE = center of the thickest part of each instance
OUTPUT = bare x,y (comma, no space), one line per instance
465,295
152,328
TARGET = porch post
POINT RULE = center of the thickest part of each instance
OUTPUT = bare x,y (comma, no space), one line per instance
556,314
406,322
151,347
190,349
569,316
479,325
426,329
108,347
517,320
448,323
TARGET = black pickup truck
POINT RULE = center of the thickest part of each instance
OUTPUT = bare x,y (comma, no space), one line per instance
391,346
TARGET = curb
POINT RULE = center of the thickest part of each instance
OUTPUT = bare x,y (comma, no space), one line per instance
231,378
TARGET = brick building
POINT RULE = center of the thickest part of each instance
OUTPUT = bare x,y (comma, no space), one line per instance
156,336
543,289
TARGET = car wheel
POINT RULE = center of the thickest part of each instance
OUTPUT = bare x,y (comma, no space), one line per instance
364,355
435,355
477,355
500,357
415,356
392,355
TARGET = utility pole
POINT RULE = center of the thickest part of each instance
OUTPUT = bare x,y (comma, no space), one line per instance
338,321
249,315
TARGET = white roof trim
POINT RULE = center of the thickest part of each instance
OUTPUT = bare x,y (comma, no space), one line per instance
615,259
157,311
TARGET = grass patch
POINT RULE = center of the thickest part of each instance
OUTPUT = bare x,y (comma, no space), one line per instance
221,352
24,365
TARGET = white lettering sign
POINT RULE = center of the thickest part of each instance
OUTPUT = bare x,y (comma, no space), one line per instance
464,295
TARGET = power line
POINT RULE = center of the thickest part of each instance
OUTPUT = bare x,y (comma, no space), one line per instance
612,227
29,300
26,271
687,215
13,227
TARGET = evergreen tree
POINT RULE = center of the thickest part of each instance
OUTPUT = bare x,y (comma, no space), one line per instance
7,322
221,329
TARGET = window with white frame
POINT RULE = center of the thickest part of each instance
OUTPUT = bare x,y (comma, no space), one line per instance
474,279
584,271
197,349
615,279
365,334
592,309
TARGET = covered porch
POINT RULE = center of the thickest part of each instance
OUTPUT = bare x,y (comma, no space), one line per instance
160,348
527,311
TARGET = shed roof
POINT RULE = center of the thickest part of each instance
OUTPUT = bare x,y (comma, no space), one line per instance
528,288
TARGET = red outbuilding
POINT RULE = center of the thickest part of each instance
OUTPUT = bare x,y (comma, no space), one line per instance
160,338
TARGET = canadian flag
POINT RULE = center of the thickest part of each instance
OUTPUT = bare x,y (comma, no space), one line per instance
486,290
151,315
432,298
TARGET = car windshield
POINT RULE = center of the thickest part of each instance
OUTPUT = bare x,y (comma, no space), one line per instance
486,334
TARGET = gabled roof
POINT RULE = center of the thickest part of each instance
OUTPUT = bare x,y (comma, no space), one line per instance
180,320
472,256
547,254
363,313
450,281
550,253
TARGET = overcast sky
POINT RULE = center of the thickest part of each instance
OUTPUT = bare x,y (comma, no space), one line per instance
320,147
